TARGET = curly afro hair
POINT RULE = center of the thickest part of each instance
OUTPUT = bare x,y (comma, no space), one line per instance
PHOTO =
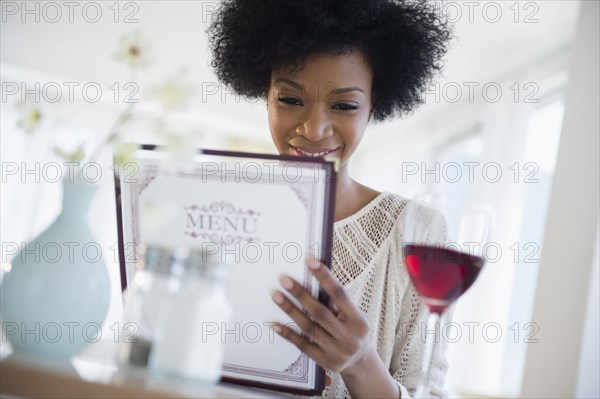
403,41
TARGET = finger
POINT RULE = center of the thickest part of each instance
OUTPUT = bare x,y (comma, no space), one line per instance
334,309
311,329
304,344
336,291
316,310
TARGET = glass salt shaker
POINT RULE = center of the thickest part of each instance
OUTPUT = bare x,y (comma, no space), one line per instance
188,342
158,275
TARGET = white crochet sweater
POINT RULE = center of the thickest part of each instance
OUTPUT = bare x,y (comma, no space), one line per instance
367,259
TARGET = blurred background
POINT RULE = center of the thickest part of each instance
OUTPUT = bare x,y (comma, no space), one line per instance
513,120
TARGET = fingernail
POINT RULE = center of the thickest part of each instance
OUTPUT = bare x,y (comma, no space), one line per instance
277,297
277,329
314,264
286,282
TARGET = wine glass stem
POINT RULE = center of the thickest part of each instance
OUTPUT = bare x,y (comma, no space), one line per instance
423,387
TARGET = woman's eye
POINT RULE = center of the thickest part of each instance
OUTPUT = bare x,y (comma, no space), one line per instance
289,100
345,107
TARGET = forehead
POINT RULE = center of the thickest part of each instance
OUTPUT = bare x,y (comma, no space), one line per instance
343,70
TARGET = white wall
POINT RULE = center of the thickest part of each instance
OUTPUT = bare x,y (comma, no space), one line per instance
588,383
570,241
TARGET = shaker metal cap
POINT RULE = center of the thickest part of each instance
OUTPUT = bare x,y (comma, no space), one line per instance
178,261
159,259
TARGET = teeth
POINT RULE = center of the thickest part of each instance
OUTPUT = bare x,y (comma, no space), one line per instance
313,154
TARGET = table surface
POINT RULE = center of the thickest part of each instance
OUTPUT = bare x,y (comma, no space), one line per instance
94,374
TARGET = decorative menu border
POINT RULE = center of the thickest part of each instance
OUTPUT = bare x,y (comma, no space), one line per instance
298,371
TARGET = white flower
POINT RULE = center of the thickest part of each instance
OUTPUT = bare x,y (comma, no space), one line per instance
181,148
175,92
124,152
70,156
30,117
134,49
180,143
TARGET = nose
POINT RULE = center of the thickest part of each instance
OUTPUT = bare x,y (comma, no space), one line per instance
316,126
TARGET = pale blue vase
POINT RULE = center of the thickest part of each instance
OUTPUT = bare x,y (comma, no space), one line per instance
54,303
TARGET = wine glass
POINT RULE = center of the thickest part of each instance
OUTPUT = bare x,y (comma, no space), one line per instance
443,241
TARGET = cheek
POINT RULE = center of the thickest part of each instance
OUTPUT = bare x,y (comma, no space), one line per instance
274,122
353,131
352,134
278,128
283,120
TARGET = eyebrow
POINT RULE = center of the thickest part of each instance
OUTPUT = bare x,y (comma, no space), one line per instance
333,92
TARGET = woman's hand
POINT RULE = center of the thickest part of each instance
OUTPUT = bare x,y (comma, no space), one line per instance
337,338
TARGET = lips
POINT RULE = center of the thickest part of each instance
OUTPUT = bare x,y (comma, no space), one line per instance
314,152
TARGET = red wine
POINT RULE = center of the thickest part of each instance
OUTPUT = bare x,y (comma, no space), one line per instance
440,275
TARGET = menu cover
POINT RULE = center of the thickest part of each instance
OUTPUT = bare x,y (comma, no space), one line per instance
265,213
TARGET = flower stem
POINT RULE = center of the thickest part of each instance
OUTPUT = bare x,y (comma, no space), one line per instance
113,131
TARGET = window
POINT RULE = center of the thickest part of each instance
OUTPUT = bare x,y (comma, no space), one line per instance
493,318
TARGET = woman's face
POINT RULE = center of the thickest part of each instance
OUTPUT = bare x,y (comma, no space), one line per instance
323,109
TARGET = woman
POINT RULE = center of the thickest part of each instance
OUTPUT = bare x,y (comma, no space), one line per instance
326,69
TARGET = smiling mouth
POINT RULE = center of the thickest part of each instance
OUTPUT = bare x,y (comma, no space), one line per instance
313,151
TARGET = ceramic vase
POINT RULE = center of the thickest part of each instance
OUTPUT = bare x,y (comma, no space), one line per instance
56,295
